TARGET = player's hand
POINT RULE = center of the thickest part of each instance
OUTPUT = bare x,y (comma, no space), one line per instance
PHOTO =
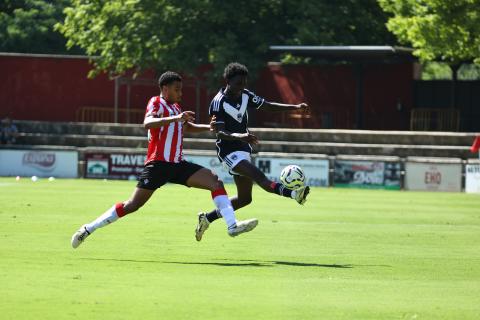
187,116
213,124
304,107
249,138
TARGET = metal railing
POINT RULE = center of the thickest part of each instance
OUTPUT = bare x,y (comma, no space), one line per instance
434,120
102,114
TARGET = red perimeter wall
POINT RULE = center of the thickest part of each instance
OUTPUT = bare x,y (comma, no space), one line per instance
53,88
331,93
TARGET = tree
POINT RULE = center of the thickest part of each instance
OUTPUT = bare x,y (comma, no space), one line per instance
183,35
443,30
27,26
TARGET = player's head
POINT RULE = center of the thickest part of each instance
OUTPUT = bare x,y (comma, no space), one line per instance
171,86
236,74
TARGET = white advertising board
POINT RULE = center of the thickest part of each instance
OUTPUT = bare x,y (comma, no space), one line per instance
45,163
212,163
472,178
316,170
433,176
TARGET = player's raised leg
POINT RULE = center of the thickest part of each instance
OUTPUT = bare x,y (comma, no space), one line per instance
137,200
206,179
247,169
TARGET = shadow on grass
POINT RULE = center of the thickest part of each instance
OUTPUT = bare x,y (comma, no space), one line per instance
301,264
235,263
340,266
304,264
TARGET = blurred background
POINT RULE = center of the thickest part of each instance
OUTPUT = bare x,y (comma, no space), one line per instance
78,74
344,58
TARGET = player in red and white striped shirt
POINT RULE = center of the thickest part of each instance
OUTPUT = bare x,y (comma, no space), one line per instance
166,122
164,143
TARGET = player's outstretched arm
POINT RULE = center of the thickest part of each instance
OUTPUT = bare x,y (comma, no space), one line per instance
151,122
196,128
275,106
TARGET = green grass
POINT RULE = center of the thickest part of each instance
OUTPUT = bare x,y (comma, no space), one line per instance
347,254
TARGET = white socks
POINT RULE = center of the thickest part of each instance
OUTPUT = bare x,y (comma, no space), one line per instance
111,215
222,202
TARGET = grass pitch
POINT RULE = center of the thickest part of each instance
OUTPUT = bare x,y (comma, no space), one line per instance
347,254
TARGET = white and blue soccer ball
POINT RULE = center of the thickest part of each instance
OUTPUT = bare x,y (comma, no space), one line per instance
292,177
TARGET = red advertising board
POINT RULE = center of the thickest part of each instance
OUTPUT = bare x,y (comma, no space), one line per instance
117,165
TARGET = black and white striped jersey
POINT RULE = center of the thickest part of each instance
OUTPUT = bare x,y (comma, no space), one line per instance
234,114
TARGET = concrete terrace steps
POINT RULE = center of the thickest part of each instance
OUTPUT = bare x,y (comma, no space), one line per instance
298,141
367,136
79,140
273,134
330,148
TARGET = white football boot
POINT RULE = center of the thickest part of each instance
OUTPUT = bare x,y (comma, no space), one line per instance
301,194
79,236
202,225
242,227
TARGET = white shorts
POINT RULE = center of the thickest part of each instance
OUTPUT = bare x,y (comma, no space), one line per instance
232,159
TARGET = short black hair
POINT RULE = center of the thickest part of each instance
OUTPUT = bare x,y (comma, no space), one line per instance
234,69
168,77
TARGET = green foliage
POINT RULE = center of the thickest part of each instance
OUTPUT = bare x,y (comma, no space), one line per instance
27,26
442,71
438,30
183,35
469,72
343,22
436,71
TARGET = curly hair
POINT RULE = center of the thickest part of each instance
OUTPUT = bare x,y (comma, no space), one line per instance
234,69
168,77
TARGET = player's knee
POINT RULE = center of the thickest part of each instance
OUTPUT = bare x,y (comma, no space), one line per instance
131,206
217,183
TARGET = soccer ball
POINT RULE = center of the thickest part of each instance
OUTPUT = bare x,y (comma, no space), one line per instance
292,177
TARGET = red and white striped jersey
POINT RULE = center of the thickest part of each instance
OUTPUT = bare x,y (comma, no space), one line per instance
164,143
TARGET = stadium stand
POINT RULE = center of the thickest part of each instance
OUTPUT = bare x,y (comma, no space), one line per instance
86,136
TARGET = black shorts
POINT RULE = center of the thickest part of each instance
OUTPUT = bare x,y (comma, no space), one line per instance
157,173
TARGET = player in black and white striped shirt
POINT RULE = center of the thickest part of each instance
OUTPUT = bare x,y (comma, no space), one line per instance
234,141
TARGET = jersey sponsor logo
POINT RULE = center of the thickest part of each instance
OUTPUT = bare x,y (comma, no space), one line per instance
235,113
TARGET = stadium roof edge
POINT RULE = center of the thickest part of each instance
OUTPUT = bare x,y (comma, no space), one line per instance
43,55
347,52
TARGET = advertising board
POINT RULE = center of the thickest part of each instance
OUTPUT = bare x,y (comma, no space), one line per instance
472,178
125,166
211,162
367,174
433,176
316,170
44,163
